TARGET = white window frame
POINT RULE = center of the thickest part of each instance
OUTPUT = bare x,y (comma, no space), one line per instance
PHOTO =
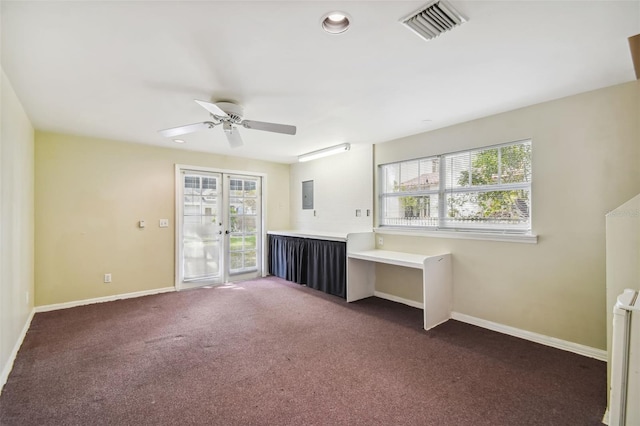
477,231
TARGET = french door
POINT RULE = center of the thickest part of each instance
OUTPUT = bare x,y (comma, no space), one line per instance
219,229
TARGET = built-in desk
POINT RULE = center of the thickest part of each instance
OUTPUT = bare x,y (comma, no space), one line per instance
436,277
318,261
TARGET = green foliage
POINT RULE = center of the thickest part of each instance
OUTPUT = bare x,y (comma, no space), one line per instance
237,243
509,164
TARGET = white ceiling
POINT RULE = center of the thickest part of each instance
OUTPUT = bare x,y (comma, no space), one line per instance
125,69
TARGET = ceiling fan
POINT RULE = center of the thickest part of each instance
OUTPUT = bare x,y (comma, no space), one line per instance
229,115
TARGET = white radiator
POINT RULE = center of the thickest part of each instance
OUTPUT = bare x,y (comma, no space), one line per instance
624,400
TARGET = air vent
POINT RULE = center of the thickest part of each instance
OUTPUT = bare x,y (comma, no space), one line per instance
433,19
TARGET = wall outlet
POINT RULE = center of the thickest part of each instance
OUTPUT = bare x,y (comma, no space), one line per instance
107,278
164,223
380,241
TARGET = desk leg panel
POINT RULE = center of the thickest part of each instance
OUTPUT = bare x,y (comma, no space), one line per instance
361,279
437,290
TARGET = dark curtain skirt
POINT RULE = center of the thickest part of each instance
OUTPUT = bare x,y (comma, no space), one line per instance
319,264
326,266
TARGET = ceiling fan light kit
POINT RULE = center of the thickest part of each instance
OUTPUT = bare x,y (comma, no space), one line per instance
229,115
324,152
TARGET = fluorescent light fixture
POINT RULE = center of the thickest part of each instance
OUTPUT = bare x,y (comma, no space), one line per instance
324,152
178,140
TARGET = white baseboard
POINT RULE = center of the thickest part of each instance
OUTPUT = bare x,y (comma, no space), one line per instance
12,357
402,300
577,348
65,305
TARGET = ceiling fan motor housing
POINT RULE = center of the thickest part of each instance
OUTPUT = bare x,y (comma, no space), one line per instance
235,112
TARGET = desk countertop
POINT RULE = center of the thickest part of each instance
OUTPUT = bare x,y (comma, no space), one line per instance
391,257
317,235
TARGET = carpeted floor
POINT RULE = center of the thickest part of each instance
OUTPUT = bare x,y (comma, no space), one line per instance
269,352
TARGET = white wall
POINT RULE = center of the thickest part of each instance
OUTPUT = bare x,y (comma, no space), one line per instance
342,183
16,224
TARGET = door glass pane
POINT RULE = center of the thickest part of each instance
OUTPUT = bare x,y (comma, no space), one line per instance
236,242
235,187
250,224
250,189
249,206
250,259
235,215
250,242
201,245
243,224
236,261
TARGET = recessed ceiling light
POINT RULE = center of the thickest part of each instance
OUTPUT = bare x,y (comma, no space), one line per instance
335,22
178,140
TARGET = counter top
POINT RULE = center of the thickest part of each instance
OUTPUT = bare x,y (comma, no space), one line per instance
318,235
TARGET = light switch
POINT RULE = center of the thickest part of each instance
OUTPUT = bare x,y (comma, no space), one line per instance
141,224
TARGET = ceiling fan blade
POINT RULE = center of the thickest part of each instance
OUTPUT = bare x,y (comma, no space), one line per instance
212,108
189,128
233,136
235,141
269,127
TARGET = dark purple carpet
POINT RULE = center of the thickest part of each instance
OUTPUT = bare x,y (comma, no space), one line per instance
269,352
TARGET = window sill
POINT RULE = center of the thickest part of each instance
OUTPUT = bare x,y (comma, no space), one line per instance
461,235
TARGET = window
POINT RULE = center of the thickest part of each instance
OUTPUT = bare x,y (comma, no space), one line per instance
486,189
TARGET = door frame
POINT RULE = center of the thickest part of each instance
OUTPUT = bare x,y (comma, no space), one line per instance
178,222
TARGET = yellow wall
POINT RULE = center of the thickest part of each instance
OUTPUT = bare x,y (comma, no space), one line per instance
16,224
399,281
623,259
586,162
90,195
